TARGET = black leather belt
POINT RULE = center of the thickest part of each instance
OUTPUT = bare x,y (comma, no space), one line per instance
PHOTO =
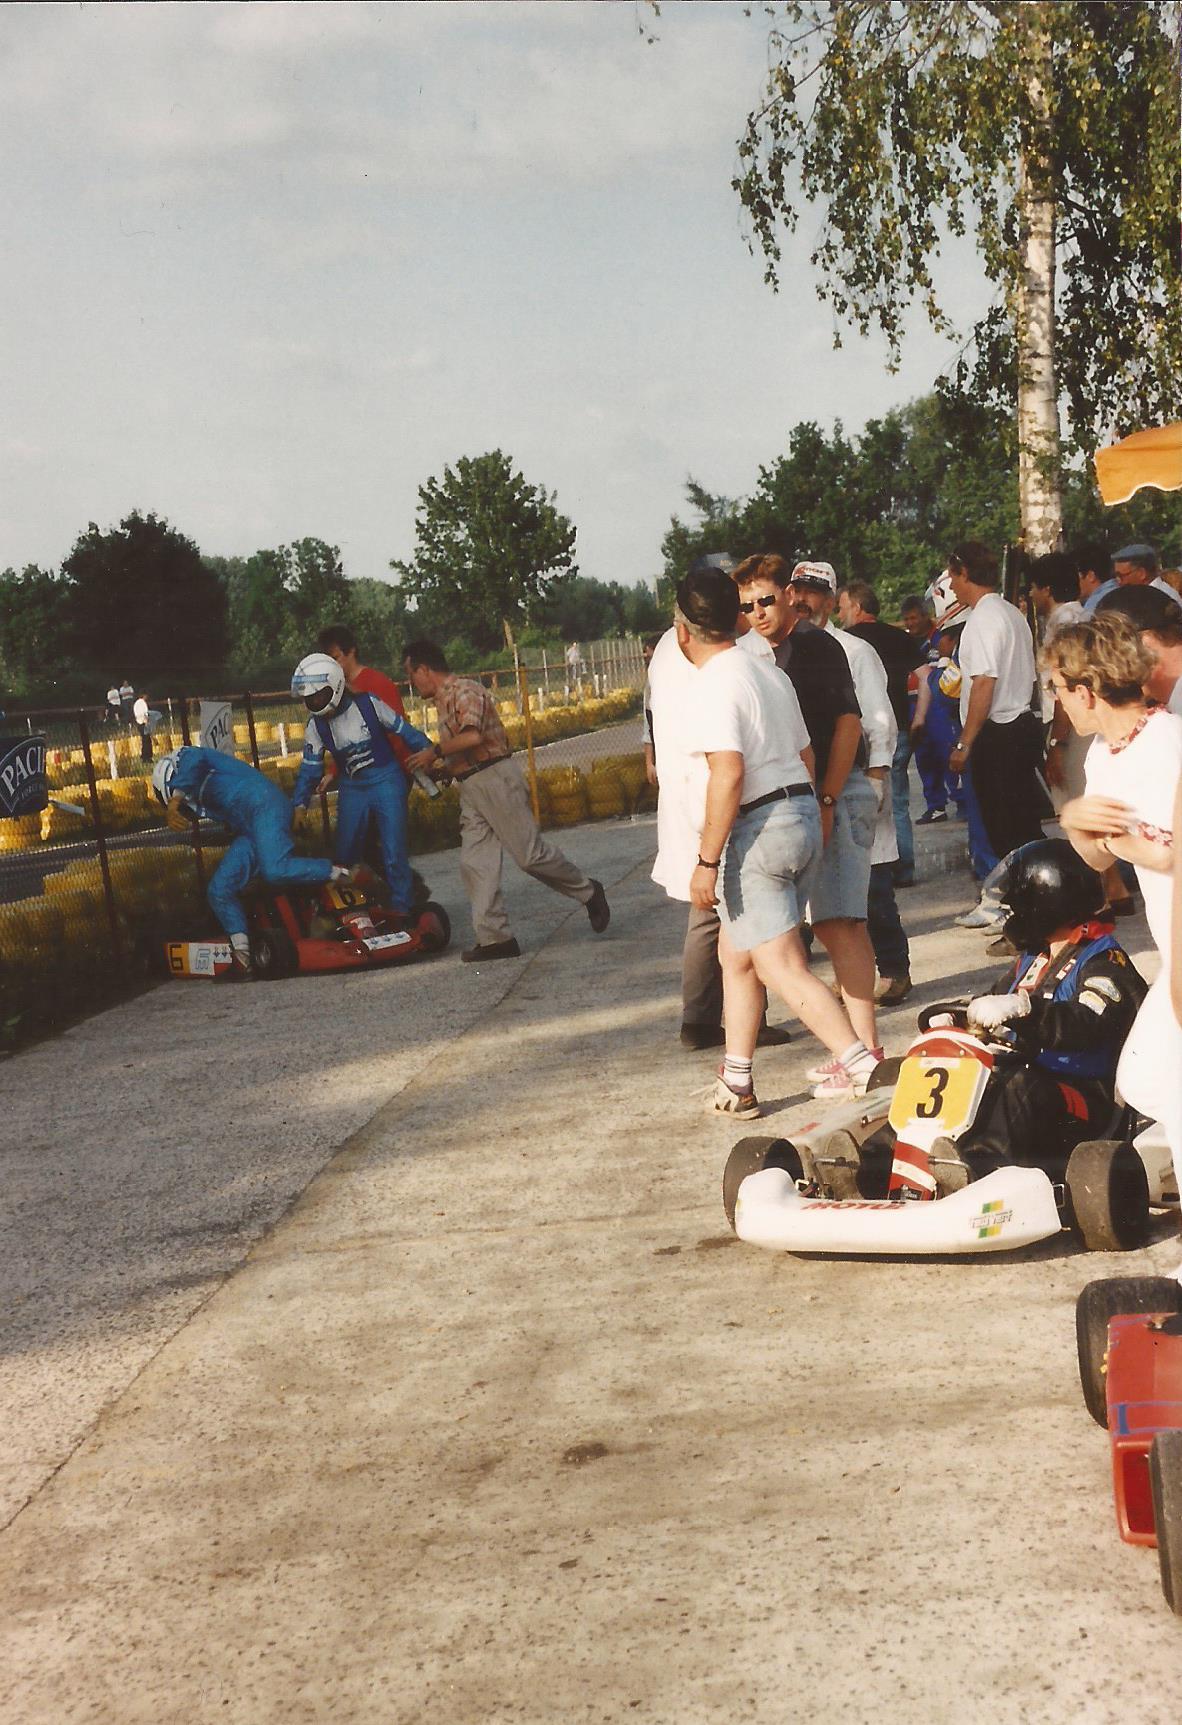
777,797
480,766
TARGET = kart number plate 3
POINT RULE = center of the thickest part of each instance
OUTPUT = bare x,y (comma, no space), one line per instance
942,1094
382,942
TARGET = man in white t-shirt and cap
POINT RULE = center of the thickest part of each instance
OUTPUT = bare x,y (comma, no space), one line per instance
759,838
814,585
1001,742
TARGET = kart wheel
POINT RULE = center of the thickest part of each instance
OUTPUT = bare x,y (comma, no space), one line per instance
1108,1194
886,1074
1165,1480
274,954
748,1157
434,927
1113,1298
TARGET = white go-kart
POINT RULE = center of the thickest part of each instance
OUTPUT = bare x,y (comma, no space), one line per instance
844,1185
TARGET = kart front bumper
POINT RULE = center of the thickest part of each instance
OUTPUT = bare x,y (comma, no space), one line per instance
1009,1208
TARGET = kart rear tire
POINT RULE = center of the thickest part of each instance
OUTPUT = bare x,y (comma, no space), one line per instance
748,1157
432,941
274,955
886,1074
1114,1297
1165,1480
1108,1195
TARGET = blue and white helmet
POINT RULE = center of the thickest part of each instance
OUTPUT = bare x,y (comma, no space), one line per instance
163,774
314,674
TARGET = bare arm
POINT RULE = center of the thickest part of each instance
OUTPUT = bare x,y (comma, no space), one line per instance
723,791
980,700
923,699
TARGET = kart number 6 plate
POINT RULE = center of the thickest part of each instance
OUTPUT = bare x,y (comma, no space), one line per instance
938,1090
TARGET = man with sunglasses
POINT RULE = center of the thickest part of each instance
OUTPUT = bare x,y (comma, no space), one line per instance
819,671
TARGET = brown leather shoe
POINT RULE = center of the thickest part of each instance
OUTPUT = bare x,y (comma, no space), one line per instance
486,954
893,990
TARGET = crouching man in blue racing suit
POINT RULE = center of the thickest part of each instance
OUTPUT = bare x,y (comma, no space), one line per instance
1070,1001
372,783
195,782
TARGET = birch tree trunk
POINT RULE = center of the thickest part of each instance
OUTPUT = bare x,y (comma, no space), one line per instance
1039,494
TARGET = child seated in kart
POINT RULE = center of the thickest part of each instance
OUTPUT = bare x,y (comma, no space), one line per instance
1068,1002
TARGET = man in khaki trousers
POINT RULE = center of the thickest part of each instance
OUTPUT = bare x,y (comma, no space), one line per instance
495,812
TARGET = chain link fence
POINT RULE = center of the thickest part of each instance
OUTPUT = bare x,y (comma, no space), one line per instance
93,882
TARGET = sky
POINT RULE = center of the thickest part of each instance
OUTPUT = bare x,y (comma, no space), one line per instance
269,267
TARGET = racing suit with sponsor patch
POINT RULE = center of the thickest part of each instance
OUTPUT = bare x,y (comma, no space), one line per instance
1082,1006
227,790
372,783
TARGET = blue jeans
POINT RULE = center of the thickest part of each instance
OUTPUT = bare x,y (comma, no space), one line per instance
901,807
892,954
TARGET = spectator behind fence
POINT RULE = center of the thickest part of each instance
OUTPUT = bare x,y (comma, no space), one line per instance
839,887
1001,738
745,724
1099,669
495,812
1160,624
902,653
142,717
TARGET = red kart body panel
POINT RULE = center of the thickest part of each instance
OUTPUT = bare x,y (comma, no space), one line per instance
1143,1387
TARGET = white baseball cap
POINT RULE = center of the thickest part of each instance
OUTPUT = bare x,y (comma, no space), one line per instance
822,575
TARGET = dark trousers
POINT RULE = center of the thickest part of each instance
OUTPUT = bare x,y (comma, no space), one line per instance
1007,765
701,973
892,955
145,743
1027,1115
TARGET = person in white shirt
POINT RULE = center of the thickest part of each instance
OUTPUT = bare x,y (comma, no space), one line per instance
1160,624
142,716
760,809
1138,566
1098,670
1001,738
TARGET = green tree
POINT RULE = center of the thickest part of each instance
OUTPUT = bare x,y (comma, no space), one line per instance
141,602
488,548
33,631
1050,130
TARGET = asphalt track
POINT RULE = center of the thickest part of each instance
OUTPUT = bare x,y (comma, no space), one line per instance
374,1348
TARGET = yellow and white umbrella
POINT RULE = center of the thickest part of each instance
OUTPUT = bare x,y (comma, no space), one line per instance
1152,457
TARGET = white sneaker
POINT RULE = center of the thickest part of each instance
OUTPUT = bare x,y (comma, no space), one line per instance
981,916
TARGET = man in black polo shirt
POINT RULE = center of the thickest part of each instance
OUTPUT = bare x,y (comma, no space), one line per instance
901,653
820,673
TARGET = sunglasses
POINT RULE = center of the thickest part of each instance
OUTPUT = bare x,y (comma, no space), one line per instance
764,600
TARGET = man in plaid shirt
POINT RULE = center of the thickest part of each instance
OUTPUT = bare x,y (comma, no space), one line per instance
495,812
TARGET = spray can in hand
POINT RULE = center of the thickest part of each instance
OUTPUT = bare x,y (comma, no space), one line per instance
425,783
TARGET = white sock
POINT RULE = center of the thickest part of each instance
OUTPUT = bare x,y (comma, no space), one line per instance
339,872
240,943
736,1073
858,1058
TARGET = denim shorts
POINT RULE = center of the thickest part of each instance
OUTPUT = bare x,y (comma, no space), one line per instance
770,849
838,882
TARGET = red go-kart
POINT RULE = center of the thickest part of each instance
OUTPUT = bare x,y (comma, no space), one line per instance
338,926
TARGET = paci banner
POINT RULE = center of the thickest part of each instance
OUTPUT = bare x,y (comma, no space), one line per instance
217,726
23,790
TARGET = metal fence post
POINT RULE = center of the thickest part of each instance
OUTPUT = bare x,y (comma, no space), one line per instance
100,839
523,695
254,746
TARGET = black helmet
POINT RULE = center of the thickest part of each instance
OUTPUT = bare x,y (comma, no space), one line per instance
1044,886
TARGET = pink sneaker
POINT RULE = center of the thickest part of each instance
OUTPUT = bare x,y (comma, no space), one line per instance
842,1084
818,1074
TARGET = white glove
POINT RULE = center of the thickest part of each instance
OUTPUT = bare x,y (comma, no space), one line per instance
989,1011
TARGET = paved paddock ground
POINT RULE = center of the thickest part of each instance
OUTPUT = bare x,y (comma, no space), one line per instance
375,1349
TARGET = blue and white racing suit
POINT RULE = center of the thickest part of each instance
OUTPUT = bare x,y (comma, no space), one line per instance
371,783
228,790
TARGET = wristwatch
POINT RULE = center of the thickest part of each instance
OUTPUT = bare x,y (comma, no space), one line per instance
702,863
825,800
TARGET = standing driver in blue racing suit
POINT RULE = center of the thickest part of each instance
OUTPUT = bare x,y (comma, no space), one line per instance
195,782
372,783
1069,1000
